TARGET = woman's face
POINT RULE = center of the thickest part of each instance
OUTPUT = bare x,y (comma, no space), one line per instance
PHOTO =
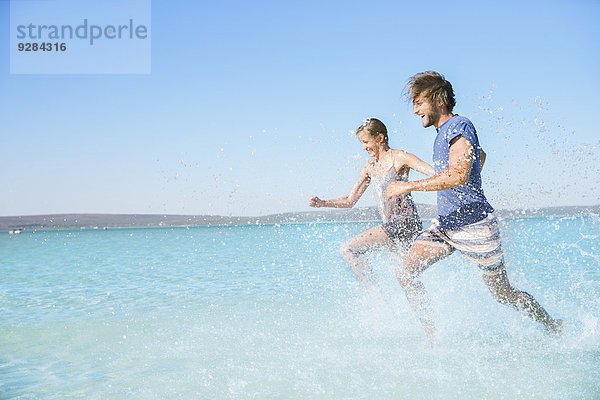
370,144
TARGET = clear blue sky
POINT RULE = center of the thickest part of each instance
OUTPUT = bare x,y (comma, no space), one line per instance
250,106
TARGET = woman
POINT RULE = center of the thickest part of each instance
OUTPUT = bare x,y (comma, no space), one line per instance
401,223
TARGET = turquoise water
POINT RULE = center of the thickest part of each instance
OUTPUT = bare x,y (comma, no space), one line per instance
272,312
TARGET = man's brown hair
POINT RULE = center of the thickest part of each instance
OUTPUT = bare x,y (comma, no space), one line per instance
433,86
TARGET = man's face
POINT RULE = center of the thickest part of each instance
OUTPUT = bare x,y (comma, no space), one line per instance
429,113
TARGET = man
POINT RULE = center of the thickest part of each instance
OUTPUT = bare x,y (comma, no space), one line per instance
466,221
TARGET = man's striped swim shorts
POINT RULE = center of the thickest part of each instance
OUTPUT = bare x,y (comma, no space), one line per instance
479,242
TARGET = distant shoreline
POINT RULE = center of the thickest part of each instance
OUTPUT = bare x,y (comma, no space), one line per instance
368,214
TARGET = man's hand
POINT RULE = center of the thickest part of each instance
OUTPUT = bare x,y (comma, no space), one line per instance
397,189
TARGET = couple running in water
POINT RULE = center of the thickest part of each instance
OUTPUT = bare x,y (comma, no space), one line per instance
466,221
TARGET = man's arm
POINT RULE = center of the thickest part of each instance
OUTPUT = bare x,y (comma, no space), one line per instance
457,173
482,157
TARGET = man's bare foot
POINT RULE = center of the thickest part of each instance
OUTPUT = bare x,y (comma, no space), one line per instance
557,326
432,340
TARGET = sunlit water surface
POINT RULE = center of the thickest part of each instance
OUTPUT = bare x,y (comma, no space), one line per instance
272,312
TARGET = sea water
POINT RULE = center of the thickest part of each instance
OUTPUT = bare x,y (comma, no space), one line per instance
273,312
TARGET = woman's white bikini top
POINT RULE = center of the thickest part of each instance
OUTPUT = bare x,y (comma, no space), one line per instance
398,206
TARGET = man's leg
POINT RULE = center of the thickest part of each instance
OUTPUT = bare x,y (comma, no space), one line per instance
422,254
504,293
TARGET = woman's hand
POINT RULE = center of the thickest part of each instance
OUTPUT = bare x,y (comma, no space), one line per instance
314,201
397,189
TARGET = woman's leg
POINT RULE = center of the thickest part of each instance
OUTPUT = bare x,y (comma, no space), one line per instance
353,251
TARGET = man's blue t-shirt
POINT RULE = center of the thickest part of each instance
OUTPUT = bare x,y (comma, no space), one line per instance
466,204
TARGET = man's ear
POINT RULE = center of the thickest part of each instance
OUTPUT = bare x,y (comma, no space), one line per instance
442,106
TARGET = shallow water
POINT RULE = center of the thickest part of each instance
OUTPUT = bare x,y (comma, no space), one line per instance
266,312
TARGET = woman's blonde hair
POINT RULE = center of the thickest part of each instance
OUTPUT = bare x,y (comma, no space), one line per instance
374,128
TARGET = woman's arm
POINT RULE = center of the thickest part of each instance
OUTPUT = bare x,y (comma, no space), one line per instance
347,201
416,163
